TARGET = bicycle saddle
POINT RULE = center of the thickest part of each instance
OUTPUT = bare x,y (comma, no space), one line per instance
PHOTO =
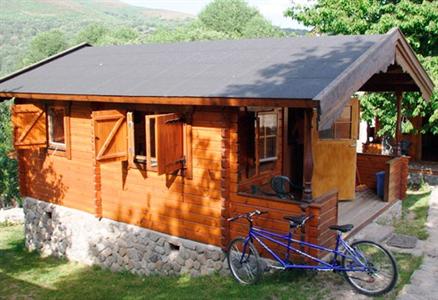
295,219
342,228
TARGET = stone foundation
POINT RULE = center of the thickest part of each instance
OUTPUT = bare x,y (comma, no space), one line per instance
63,232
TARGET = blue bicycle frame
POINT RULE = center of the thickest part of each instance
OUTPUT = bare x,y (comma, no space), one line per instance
287,240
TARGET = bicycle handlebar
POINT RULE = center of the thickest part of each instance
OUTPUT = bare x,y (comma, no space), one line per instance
247,215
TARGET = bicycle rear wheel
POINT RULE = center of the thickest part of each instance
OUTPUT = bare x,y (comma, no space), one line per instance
244,261
381,272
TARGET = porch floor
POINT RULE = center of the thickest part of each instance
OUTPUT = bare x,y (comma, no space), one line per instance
360,212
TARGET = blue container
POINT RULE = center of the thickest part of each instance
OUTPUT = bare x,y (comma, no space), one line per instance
380,183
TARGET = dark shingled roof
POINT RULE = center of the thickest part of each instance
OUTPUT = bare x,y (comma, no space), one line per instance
328,69
293,68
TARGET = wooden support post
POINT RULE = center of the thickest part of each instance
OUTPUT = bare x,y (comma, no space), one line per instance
399,98
308,156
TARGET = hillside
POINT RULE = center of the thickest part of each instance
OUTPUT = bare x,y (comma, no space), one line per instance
21,20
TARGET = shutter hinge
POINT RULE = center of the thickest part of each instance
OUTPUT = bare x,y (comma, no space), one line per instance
175,120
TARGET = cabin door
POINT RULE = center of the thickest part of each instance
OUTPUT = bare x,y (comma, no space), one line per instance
335,155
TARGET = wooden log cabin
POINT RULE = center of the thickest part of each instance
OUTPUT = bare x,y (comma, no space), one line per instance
178,137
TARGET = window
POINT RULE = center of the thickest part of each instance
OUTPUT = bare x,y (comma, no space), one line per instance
56,128
258,141
143,138
267,136
156,142
342,128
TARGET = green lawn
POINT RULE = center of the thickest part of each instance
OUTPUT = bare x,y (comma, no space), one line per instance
25,275
414,215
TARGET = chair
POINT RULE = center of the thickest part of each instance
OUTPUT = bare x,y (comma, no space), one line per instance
282,186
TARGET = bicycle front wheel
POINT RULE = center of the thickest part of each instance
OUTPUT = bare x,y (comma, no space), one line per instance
244,261
380,274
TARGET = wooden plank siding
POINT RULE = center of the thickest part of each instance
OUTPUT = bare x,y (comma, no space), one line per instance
195,208
57,179
188,208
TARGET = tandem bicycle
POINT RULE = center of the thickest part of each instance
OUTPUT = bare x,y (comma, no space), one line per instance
365,265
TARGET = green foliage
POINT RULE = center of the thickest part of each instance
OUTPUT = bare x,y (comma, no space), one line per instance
418,20
190,32
228,16
259,27
92,34
9,192
22,20
221,19
45,44
25,274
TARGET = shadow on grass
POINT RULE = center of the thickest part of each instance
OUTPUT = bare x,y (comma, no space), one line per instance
93,283
415,209
16,259
27,275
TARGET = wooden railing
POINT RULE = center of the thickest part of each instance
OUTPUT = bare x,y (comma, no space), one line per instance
396,173
396,178
324,210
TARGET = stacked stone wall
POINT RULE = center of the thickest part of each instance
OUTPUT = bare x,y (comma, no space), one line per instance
54,230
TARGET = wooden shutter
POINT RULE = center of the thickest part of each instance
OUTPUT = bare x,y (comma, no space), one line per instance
29,122
169,143
110,134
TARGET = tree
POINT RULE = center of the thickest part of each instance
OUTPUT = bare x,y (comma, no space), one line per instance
191,32
418,20
221,19
8,165
92,34
97,35
227,16
45,44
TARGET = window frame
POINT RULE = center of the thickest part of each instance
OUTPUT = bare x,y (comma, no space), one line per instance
55,148
269,159
148,163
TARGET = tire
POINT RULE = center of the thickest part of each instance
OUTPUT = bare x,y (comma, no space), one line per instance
383,269
248,271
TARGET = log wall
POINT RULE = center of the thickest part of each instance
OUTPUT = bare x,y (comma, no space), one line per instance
188,208
57,179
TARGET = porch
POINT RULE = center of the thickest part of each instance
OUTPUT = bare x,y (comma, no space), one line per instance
365,208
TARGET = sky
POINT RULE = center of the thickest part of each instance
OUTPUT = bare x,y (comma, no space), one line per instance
272,9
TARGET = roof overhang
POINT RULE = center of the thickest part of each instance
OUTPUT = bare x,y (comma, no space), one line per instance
390,66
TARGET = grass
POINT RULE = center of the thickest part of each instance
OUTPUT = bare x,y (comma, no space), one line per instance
25,275
414,215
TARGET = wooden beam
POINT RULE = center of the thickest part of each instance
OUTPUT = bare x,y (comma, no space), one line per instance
207,101
308,155
399,98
